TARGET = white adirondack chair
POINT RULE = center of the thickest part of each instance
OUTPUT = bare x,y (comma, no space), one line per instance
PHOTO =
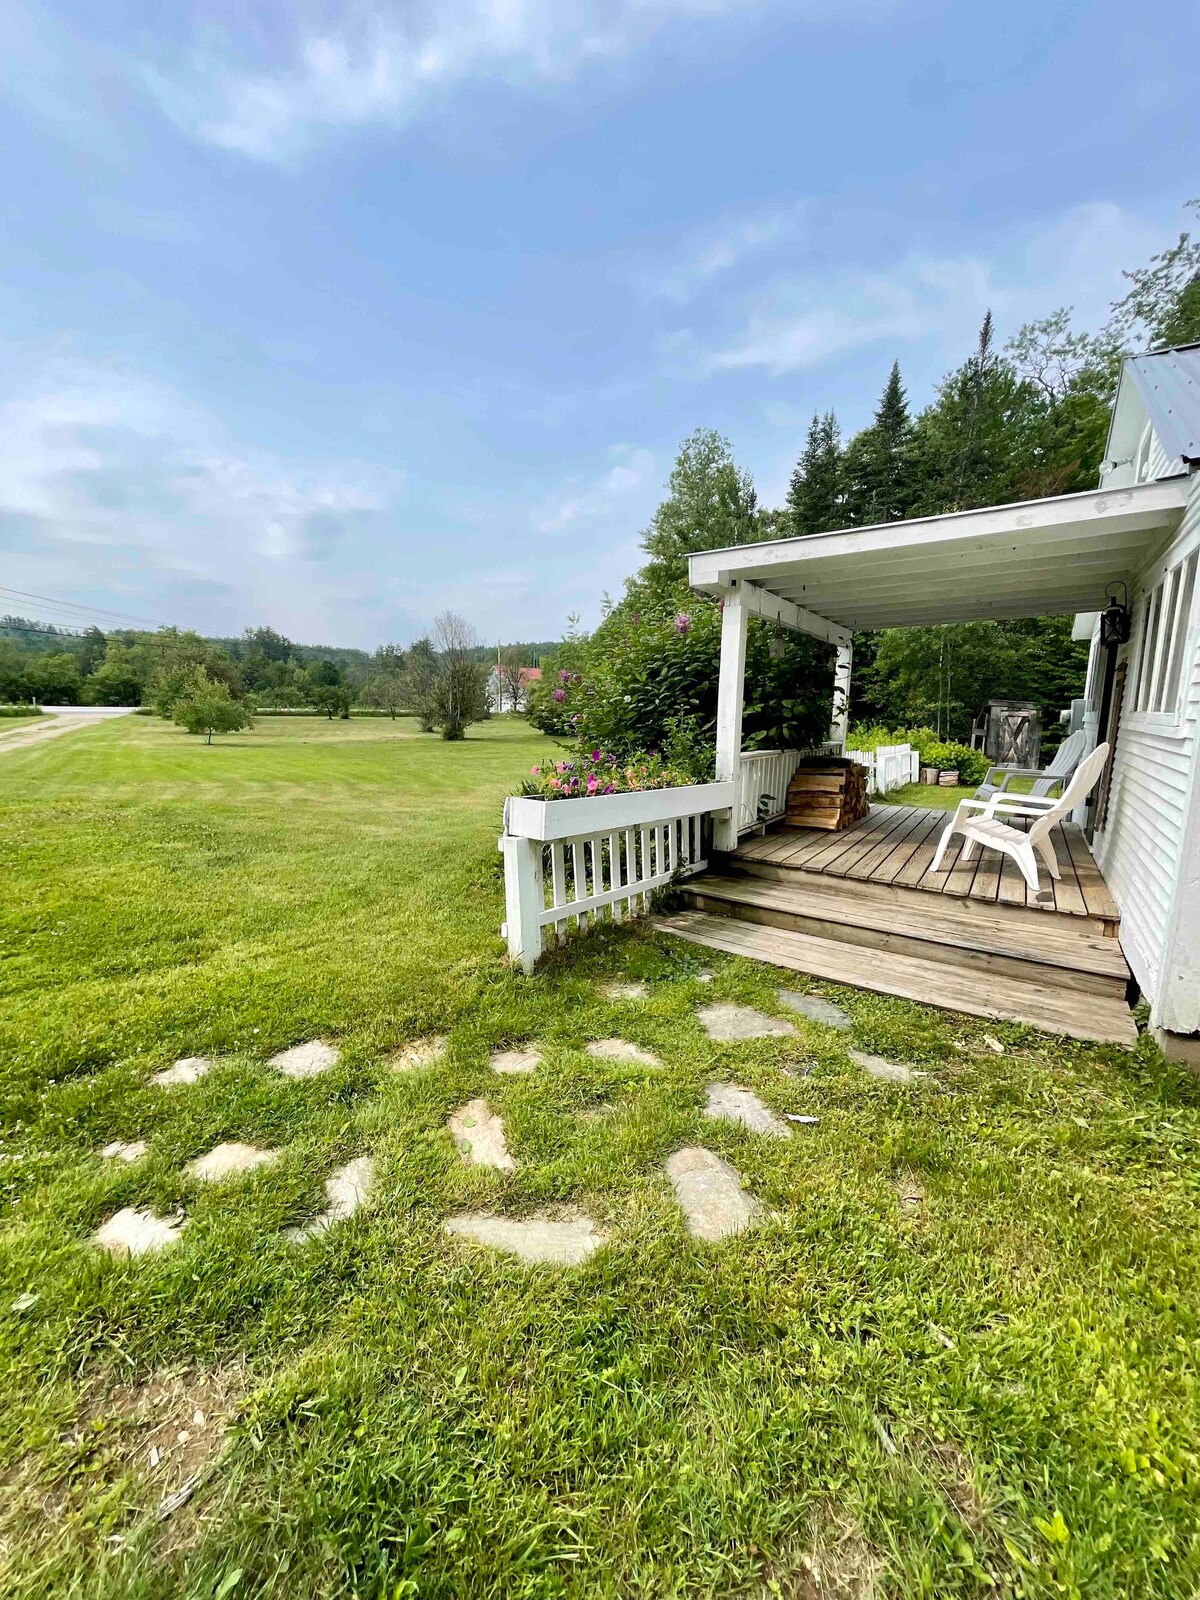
989,831
1066,758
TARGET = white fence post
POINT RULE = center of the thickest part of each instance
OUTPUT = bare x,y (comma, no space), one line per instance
524,897
730,692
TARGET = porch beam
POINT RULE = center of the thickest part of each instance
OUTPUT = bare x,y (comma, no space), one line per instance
730,697
774,608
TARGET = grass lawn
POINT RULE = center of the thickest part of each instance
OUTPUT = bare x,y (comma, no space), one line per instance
957,1355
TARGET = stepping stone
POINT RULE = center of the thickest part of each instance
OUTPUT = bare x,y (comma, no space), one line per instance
478,1136
705,975
229,1161
726,1101
345,1191
188,1070
886,1071
117,1151
910,1197
133,1232
626,991
816,1008
419,1053
512,1062
622,1050
569,1239
728,1023
306,1060
710,1193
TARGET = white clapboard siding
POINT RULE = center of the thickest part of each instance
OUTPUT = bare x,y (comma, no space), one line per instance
1152,788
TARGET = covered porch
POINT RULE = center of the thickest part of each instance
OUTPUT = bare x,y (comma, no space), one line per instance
864,905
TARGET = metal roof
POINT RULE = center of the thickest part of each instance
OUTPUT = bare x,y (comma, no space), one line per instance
1169,384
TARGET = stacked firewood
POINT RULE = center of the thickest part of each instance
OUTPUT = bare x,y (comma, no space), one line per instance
827,792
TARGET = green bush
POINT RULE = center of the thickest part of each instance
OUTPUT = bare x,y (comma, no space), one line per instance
207,707
20,711
638,681
971,765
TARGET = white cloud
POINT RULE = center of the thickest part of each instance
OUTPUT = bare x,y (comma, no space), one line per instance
609,496
110,483
365,61
800,321
691,265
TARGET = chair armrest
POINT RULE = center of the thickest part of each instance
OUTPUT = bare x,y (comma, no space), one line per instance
1020,805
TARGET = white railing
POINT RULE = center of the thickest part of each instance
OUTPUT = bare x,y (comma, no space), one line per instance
763,783
579,861
889,767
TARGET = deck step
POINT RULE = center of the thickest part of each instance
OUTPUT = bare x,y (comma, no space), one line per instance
1049,1005
1005,941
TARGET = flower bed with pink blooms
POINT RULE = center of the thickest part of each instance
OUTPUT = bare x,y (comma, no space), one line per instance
598,772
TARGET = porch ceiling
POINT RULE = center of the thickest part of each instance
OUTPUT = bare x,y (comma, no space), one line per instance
1035,558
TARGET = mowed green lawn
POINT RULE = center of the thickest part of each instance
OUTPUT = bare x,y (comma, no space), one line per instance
956,1356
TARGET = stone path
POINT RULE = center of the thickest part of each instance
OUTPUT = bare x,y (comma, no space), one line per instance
710,1193
886,1071
478,1136
625,991
727,1101
119,1151
229,1161
418,1053
306,1060
189,1070
569,1238
728,1023
622,1050
816,1008
345,1190
514,1062
134,1232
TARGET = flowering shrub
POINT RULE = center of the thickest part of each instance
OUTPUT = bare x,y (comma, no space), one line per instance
639,675
601,772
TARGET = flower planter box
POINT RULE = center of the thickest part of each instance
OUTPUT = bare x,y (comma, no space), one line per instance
528,818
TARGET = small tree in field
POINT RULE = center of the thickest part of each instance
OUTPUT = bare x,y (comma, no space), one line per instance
460,688
510,679
208,707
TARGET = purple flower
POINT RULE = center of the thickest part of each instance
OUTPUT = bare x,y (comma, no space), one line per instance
564,676
683,623
560,695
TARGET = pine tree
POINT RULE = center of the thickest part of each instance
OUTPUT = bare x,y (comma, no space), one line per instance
878,465
814,502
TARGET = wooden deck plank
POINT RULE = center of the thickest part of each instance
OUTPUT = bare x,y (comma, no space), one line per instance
1095,892
896,844
873,859
1082,1016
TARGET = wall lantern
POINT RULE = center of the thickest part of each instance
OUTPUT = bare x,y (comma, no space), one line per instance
1115,622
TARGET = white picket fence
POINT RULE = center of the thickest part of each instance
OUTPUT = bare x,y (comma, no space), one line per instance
889,767
558,873
581,861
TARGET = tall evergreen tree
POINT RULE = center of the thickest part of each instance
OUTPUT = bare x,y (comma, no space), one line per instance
815,495
878,463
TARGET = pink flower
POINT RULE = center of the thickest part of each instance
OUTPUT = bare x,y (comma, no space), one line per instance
536,771
592,784
564,676
683,623
560,695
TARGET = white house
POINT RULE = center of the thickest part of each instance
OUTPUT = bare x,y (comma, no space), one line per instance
860,907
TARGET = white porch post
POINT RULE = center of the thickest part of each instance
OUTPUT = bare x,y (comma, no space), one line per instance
730,695
840,725
524,897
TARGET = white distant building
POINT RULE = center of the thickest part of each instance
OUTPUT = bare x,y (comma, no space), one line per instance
500,696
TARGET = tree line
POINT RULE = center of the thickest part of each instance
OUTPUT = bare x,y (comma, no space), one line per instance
442,678
1014,421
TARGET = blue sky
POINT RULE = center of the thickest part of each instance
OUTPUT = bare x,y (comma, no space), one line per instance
334,315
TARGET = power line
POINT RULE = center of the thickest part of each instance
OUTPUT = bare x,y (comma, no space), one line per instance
72,605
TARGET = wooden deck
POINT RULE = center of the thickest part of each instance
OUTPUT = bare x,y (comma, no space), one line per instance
894,845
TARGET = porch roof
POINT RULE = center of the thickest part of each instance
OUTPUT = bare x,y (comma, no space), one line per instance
1034,558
